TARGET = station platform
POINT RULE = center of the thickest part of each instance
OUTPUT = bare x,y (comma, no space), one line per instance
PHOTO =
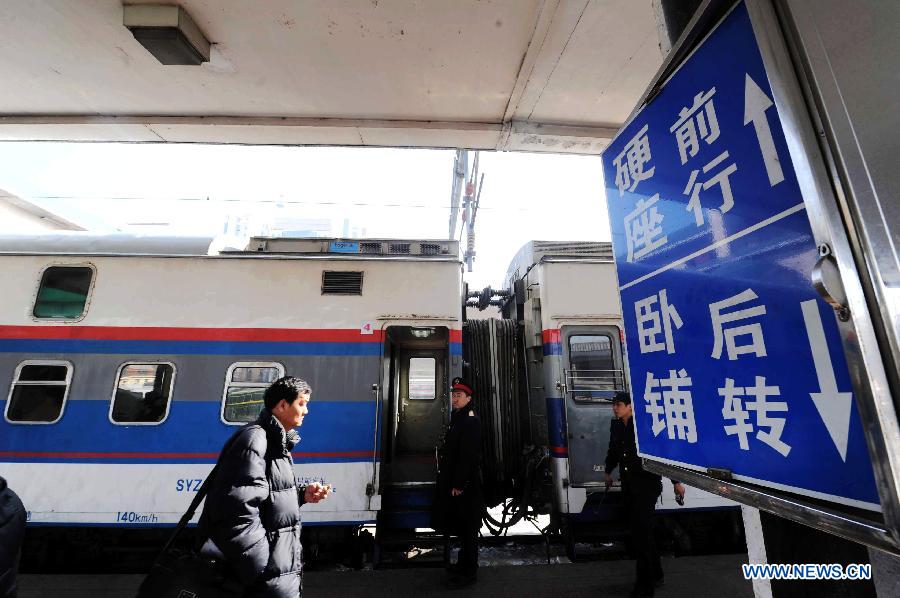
718,575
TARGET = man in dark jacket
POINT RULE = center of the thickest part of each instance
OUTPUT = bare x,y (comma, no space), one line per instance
458,500
12,531
252,512
640,491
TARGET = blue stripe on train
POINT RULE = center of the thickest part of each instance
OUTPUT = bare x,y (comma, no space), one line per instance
192,427
141,347
556,426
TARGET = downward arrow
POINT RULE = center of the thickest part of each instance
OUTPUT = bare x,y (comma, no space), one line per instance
833,406
756,102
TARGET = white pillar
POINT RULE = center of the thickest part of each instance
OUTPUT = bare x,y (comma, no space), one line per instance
756,549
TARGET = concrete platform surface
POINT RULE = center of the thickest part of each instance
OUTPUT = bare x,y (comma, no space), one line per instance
710,576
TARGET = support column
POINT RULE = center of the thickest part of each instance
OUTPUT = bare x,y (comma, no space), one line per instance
756,549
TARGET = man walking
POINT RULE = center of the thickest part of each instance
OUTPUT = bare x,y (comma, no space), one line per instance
252,511
640,491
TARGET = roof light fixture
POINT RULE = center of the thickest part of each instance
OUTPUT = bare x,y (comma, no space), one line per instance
168,32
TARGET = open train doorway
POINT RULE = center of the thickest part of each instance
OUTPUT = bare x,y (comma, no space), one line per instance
416,407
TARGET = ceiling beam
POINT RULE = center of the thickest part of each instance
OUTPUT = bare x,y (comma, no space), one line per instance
244,130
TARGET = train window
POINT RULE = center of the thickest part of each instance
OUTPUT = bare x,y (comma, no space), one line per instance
592,366
143,393
63,292
38,392
591,352
245,384
422,378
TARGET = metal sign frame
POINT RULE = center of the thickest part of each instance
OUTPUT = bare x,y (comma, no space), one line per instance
821,191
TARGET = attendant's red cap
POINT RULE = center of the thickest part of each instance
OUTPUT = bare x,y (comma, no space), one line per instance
460,385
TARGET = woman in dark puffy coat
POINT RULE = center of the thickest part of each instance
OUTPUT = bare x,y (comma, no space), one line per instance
252,511
12,531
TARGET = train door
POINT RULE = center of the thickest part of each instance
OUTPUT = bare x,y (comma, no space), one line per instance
420,407
418,402
594,371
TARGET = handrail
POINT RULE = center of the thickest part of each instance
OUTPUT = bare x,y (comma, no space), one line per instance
589,380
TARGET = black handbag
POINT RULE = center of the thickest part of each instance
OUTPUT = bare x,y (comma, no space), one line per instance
178,573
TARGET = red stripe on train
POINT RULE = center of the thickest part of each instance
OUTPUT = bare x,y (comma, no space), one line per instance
145,333
149,333
551,336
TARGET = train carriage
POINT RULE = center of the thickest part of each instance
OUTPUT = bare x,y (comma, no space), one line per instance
562,309
127,362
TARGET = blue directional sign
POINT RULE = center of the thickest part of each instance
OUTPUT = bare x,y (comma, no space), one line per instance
735,362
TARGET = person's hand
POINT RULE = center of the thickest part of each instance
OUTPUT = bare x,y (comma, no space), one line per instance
316,492
455,492
679,492
609,480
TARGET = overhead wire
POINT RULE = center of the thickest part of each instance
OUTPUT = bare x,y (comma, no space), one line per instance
266,201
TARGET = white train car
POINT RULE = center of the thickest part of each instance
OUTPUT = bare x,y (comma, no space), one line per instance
125,363
564,297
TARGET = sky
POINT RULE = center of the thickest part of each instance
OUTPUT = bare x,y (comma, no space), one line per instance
190,189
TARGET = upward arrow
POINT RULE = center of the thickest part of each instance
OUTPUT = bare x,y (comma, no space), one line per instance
833,406
756,102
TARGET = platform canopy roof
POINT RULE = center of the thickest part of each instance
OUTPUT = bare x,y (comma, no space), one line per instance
529,75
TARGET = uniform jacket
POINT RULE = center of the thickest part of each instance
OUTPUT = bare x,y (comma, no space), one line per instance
12,531
623,453
252,511
459,466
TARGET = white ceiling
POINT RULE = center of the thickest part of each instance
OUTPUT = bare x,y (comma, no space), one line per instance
532,75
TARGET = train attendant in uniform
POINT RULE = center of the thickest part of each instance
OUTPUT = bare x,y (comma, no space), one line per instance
252,511
640,491
459,502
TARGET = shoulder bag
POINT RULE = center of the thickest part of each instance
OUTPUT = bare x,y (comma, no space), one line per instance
179,573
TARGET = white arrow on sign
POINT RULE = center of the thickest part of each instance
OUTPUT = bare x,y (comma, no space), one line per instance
833,406
756,102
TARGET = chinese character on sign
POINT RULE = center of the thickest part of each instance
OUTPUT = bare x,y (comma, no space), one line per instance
734,408
654,406
676,413
630,163
643,233
757,344
694,186
650,323
702,116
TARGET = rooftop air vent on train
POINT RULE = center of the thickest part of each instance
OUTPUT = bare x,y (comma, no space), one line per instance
341,283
